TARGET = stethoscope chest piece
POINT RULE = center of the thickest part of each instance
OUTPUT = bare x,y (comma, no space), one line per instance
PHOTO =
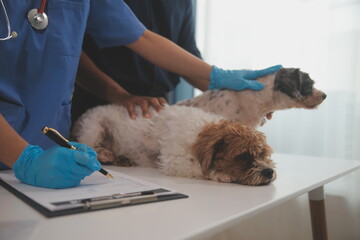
38,20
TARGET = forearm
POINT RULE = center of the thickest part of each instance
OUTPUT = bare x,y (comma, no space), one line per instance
92,79
166,54
203,85
11,143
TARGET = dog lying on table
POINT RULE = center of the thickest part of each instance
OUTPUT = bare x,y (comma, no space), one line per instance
285,89
180,141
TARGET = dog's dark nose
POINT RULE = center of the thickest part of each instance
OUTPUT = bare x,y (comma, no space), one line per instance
324,96
267,172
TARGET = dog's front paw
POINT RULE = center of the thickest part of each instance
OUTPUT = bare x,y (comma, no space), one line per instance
219,177
267,117
263,121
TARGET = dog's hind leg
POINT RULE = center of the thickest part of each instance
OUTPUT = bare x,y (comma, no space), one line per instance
105,156
106,151
124,162
94,132
104,147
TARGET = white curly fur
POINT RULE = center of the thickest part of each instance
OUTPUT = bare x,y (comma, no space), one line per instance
166,137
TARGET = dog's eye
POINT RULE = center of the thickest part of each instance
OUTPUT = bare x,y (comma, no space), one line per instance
307,88
247,157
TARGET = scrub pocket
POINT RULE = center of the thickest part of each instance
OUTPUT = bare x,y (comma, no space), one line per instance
63,122
67,22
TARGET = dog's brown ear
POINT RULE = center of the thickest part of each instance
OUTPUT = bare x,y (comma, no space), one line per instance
208,142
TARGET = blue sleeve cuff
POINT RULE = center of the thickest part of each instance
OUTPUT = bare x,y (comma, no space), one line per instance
112,23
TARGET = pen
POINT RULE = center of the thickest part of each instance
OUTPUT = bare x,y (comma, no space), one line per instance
60,140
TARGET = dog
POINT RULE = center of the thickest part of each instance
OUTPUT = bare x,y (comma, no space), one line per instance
285,89
181,141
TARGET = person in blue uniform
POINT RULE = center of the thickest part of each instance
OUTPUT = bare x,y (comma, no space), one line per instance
37,74
142,81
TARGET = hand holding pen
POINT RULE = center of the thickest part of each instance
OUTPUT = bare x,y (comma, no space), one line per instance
63,142
57,167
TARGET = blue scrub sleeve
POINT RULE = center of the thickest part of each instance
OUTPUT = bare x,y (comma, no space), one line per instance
112,23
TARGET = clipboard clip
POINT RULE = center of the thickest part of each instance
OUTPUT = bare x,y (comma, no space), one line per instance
100,204
115,200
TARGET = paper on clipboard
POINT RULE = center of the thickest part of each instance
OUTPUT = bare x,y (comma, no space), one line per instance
96,187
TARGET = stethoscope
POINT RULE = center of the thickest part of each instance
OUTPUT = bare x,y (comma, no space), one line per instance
37,18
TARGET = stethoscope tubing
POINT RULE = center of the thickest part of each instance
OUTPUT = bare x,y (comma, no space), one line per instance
7,23
42,6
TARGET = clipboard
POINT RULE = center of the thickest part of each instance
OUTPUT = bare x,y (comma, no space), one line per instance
94,193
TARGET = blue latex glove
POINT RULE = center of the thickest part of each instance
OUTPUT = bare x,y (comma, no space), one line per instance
238,79
57,167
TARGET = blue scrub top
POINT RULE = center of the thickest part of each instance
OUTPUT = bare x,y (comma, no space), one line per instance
38,68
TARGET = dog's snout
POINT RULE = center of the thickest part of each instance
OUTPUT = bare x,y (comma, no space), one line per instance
324,96
267,172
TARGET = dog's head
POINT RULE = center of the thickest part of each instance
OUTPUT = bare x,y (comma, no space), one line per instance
234,152
299,87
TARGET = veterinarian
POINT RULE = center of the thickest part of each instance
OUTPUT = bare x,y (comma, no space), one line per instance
40,48
140,82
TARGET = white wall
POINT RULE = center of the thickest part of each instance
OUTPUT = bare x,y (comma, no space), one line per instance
322,37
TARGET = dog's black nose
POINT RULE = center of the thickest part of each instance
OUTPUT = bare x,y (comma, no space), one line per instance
267,172
324,96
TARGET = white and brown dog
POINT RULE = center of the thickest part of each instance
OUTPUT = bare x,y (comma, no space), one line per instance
188,142
181,141
285,89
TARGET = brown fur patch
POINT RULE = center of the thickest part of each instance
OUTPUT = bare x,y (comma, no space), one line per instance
233,152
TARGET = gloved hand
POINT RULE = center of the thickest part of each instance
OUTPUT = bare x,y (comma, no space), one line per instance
238,79
57,167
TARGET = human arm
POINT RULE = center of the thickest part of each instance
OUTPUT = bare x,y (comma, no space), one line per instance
57,167
123,28
11,143
166,54
92,79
